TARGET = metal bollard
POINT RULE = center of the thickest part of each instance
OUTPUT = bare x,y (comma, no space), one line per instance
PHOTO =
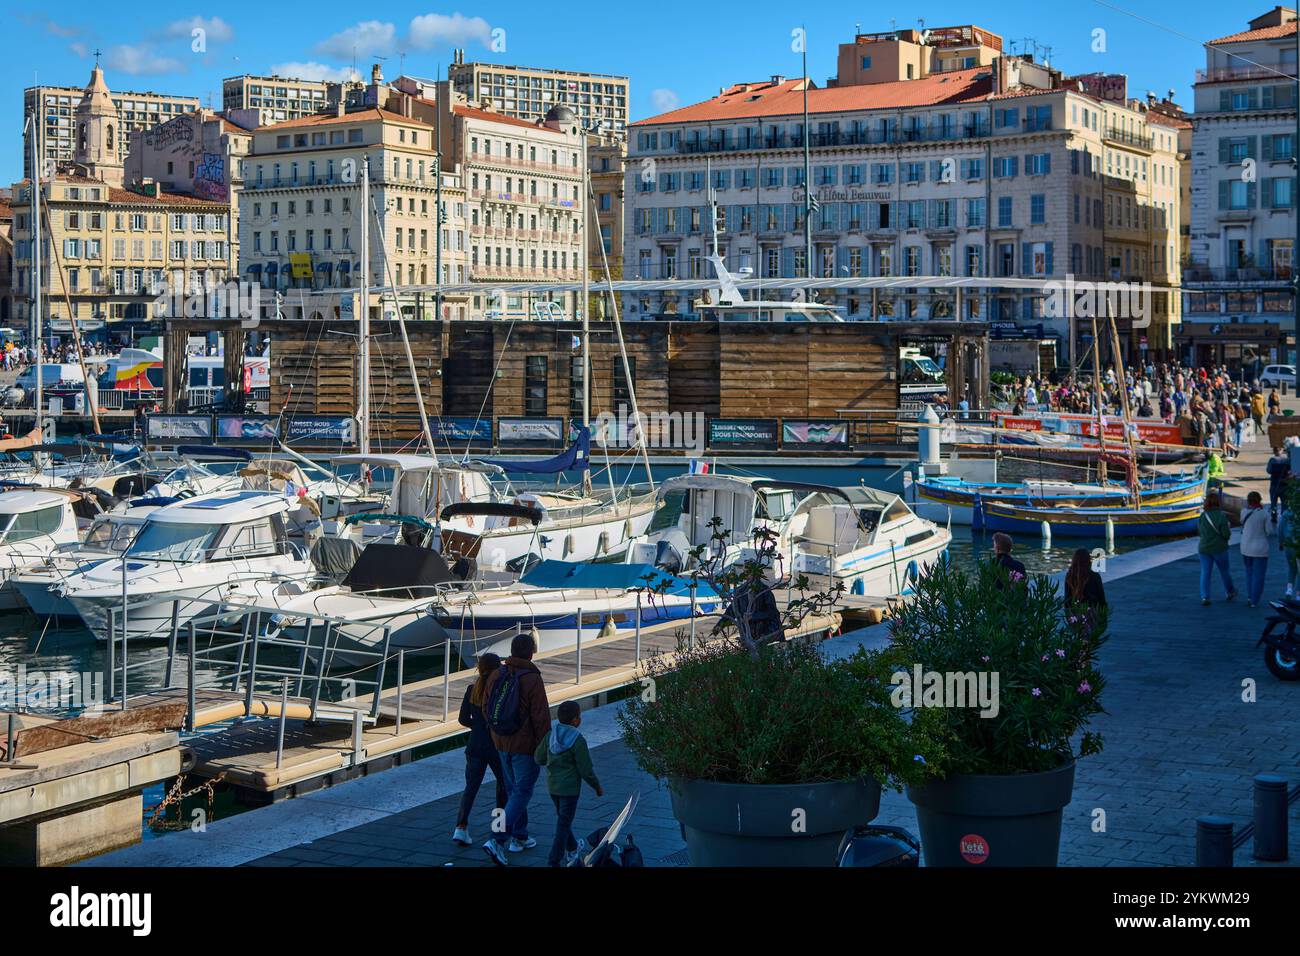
1213,841
284,712
1270,817
446,680
401,681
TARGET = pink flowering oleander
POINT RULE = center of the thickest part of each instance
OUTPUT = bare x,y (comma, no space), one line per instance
1038,692
1085,687
1060,652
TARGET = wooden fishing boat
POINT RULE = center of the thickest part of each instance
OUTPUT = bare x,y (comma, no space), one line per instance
1156,521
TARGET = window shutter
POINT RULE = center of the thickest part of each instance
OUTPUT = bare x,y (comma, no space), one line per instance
1224,186
1251,190
1266,197
1266,147
1024,258
1252,144
1051,269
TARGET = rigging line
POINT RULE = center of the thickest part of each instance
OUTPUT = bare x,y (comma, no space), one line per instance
487,392
1202,43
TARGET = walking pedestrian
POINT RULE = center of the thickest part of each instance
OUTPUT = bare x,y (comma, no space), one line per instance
519,718
1082,583
1288,540
480,753
567,760
1279,470
1002,545
1256,529
1213,547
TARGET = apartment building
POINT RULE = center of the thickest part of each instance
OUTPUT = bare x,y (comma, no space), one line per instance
57,106
6,260
300,222
267,100
107,253
1240,298
607,160
530,93
922,165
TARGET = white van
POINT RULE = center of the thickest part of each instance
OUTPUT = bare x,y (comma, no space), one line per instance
53,375
1275,375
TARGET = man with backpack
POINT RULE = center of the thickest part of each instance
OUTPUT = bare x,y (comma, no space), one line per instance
519,718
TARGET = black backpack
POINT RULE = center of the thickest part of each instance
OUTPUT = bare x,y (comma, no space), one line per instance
502,710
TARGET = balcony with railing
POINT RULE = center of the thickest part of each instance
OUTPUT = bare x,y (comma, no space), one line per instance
922,133
1125,138
1199,272
1251,72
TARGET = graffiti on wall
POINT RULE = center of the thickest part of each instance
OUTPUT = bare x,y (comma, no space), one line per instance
210,177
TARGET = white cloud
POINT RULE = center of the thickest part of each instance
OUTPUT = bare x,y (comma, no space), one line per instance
79,49
141,59
311,70
61,29
663,100
433,29
218,30
369,38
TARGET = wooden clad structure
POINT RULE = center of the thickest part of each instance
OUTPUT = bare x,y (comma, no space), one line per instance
487,370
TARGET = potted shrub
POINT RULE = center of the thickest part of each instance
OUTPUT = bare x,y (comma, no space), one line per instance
772,753
1003,769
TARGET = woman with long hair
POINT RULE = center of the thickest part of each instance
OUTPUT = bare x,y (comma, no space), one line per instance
480,752
1082,583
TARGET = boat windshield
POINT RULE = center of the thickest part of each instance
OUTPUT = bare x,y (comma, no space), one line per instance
165,541
31,524
108,535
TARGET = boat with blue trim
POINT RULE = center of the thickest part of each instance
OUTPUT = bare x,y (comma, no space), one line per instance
1153,521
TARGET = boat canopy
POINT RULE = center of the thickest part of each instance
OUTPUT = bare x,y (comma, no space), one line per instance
577,457
214,451
397,570
493,509
223,507
624,577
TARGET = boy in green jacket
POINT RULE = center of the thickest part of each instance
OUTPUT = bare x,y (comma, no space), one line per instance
564,754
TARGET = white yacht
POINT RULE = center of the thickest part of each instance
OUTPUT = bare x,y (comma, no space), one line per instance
189,557
33,523
869,540
109,534
571,526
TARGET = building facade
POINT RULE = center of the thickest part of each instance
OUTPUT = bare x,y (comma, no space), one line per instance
1243,231
607,159
1000,169
265,100
109,253
301,214
529,93
57,108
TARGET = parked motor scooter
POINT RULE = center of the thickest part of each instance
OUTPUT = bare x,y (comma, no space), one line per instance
879,846
1281,645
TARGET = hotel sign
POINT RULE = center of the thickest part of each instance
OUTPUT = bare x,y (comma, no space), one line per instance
825,194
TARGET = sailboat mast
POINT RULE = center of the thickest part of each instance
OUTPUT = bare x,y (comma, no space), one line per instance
1101,415
37,331
363,330
585,212
1123,392
808,201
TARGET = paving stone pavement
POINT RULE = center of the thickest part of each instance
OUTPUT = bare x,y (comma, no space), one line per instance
1180,742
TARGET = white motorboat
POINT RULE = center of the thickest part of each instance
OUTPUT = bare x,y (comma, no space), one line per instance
189,558
747,509
33,523
868,540
109,534
572,525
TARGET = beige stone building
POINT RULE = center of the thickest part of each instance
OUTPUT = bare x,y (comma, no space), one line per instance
937,158
267,100
108,253
57,105
6,260
301,214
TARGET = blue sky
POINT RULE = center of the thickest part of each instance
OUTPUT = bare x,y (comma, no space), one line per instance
675,52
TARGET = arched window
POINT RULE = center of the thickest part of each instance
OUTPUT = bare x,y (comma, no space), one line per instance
81,138
109,139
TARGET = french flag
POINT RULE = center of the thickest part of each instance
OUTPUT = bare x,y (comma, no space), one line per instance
699,467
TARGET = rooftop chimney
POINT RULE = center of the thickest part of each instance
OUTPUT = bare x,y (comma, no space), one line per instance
777,79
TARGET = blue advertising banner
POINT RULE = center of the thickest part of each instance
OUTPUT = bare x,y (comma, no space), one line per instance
178,428
468,430
320,429
743,432
247,428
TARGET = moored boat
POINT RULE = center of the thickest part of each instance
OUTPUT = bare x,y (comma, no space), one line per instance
1155,521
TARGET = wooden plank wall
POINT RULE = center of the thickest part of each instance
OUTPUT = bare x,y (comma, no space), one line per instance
763,370
467,361
850,368
694,357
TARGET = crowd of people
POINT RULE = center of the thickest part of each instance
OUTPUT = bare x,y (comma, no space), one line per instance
1214,407
15,356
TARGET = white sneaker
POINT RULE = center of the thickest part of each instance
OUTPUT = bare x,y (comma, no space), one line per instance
493,849
462,837
575,855
517,847
1290,590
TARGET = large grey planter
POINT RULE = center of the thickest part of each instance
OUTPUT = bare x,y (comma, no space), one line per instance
993,820
738,824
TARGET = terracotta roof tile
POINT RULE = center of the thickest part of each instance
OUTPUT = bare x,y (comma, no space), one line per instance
786,98
1264,33
162,199
471,112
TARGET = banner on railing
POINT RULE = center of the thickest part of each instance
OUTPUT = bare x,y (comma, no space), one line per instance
462,430
248,428
826,433
178,428
743,433
530,431
321,430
